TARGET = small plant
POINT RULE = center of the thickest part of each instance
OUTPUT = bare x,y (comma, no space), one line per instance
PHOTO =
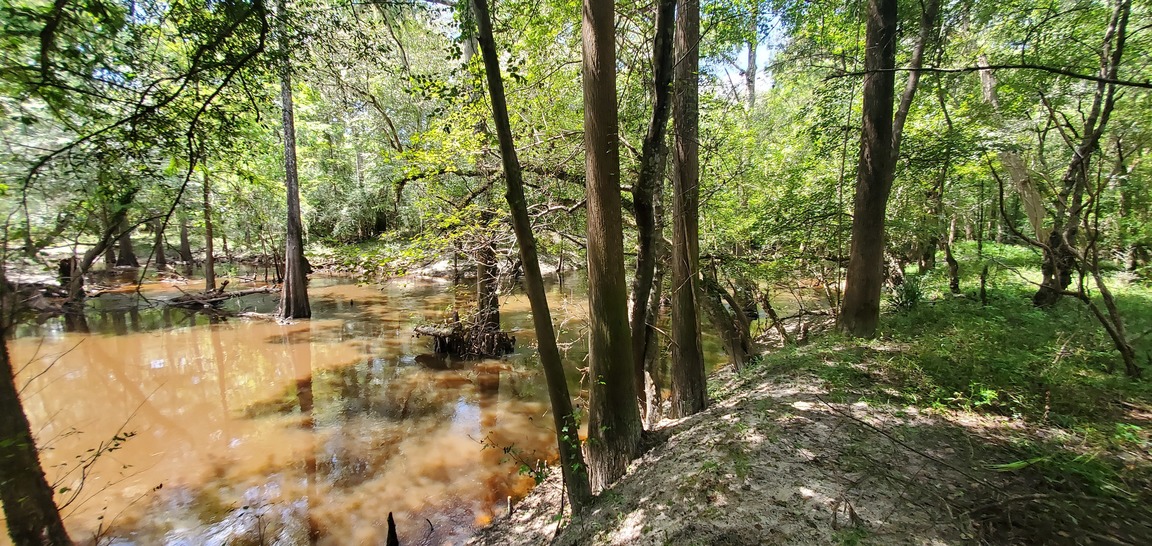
1128,434
908,294
852,536
537,470
978,397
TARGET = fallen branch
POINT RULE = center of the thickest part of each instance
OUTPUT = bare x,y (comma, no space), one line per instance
905,445
210,298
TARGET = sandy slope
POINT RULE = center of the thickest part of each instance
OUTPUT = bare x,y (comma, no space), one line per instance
774,461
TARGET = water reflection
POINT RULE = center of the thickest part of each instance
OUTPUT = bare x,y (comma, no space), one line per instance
305,433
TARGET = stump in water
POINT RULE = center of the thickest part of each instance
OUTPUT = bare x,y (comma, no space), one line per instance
467,340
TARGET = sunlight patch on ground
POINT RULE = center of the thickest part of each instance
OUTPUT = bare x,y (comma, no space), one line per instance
631,528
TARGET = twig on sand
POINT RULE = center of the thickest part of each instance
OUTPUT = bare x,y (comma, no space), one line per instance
905,445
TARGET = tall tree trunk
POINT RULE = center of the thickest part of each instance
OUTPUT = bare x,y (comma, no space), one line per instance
209,252
651,385
29,508
651,172
689,389
567,429
860,312
158,245
935,196
185,245
294,292
753,44
487,295
1061,257
928,17
127,256
614,419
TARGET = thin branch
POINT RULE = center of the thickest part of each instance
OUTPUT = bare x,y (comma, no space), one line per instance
1147,84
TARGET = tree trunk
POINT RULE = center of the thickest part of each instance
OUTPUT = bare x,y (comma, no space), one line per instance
1060,255
766,302
487,295
209,253
651,173
158,245
102,246
928,18
29,508
935,196
753,44
860,312
733,326
614,419
953,270
651,385
294,294
567,429
127,256
185,246
689,393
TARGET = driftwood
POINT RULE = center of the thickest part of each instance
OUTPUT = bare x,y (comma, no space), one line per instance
32,296
213,297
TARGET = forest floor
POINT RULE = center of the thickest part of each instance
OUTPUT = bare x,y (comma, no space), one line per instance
962,423
778,458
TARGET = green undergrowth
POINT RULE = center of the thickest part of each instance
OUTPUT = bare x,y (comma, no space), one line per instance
1076,422
374,259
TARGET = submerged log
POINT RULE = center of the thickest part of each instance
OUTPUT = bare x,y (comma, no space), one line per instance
213,297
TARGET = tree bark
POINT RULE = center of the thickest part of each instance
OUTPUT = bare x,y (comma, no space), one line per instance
294,294
102,247
733,326
928,18
935,196
652,388
860,312
614,419
185,246
158,245
651,172
753,44
572,463
487,295
953,269
689,393
109,255
1060,255
29,508
127,256
209,252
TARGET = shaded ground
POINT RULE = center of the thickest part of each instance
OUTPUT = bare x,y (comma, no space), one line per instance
777,459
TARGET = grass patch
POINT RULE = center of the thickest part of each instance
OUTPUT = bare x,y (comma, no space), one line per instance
1054,367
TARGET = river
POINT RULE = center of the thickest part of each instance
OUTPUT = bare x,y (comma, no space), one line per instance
161,426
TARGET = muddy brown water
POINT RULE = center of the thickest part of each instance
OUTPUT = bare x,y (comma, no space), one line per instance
249,431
